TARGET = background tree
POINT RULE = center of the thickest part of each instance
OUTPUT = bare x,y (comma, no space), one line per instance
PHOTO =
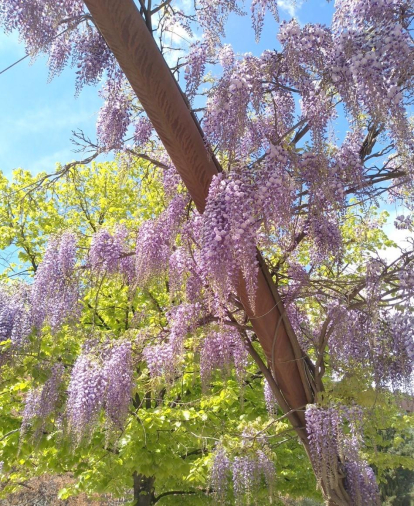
398,485
270,196
172,429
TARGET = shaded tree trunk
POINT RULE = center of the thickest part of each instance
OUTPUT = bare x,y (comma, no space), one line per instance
143,490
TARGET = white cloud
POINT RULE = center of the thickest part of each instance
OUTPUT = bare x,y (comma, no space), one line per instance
292,7
402,238
59,117
48,162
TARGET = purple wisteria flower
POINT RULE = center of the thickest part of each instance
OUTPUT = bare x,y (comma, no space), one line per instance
101,379
220,351
41,402
329,443
247,471
55,293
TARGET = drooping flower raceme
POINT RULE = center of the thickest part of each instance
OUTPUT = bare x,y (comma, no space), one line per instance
329,444
143,131
270,399
114,116
229,235
247,470
155,241
118,372
196,64
221,350
41,402
86,396
101,379
54,295
165,358
15,315
220,473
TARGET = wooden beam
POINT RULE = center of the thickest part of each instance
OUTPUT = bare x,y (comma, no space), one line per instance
128,37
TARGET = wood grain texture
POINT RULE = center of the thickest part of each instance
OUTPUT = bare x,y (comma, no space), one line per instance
139,57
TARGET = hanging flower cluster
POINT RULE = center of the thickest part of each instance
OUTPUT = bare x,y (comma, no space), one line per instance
114,116
16,320
156,239
164,359
328,443
55,293
222,350
247,471
109,253
40,403
100,381
270,399
229,235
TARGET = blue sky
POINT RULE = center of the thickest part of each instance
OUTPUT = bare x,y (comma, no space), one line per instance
38,117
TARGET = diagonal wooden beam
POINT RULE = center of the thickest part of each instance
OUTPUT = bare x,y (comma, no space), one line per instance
128,37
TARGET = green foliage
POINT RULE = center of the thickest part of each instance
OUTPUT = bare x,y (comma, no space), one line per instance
172,429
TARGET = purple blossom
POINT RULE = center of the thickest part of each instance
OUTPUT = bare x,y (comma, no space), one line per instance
118,372
41,402
270,399
361,484
105,252
143,131
38,21
15,315
258,8
155,240
329,443
115,115
59,55
160,360
221,350
165,358
245,477
323,426
247,473
54,296
92,56
86,396
220,473
102,379
403,222
229,235
371,79
406,278
327,238
275,189
196,64
212,17
171,179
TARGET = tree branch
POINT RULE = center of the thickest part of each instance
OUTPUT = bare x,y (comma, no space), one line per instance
179,492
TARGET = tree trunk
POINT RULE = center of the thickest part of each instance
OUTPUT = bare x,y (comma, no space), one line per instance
128,37
143,490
